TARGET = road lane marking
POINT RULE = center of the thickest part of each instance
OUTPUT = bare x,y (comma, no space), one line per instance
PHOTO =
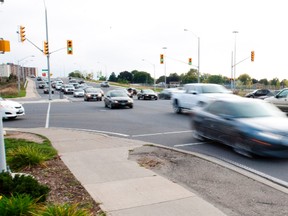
98,131
48,116
164,133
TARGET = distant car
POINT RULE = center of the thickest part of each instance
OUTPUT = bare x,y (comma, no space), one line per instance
41,84
46,89
78,93
105,84
167,93
258,93
250,127
58,86
117,98
11,109
93,94
147,94
68,89
280,100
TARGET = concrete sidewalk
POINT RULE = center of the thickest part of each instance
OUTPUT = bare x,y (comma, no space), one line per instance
123,187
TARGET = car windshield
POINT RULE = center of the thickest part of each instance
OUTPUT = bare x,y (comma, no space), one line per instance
118,94
214,89
89,90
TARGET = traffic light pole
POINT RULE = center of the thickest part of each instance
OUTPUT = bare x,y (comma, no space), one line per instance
48,54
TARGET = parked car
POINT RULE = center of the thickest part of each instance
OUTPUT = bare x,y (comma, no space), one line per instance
93,94
78,93
117,98
105,84
198,94
250,127
46,89
167,93
280,100
11,109
258,93
68,89
147,94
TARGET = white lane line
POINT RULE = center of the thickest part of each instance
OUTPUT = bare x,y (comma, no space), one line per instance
48,115
165,133
98,131
190,144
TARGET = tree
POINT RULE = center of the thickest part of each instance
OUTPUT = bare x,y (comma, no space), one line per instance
125,76
217,79
275,82
245,79
142,77
76,74
190,77
113,77
264,81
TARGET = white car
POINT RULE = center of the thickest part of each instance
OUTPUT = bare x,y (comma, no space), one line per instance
11,109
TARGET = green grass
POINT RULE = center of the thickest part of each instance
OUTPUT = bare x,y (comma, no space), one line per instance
64,210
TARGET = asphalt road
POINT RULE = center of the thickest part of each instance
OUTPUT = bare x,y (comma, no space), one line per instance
151,121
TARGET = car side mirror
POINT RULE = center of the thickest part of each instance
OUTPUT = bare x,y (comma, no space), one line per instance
193,92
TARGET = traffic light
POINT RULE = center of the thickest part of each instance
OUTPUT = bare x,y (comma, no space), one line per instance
161,58
190,61
46,48
252,56
22,34
69,47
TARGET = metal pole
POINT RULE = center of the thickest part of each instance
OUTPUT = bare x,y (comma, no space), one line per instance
198,59
3,165
234,65
164,58
18,77
48,55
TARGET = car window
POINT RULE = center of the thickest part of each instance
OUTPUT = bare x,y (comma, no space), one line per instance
283,94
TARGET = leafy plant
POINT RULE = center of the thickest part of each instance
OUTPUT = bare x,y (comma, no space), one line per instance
22,184
20,204
22,153
64,210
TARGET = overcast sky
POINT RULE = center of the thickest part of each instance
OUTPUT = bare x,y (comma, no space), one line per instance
115,35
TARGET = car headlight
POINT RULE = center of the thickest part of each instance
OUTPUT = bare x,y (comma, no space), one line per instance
88,95
99,95
130,100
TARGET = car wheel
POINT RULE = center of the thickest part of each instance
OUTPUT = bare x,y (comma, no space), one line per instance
197,135
241,149
111,106
131,106
176,107
138,98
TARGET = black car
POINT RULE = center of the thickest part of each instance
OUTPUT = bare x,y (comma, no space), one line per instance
46,89
258,93
250,127
117,98
132,91
147,94
105,84
167,93
93,94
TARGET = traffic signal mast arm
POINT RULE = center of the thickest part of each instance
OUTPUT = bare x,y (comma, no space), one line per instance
252,59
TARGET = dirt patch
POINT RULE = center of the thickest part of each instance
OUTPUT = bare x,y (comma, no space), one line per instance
231,192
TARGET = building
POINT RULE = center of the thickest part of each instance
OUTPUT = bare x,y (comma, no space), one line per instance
12,69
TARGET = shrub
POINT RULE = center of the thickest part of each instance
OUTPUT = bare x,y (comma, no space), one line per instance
25,156
22,184
18,205
64,210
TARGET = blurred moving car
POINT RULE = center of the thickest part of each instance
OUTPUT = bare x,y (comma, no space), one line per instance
280,100
117,98
250,127
147,94
258,93
198,94
104,84
167,93
78,93
93,94
11,109
41,84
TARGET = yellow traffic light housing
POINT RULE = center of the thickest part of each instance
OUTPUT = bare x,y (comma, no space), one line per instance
161,58
46,48
69,47
22,34
252,56
190,61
